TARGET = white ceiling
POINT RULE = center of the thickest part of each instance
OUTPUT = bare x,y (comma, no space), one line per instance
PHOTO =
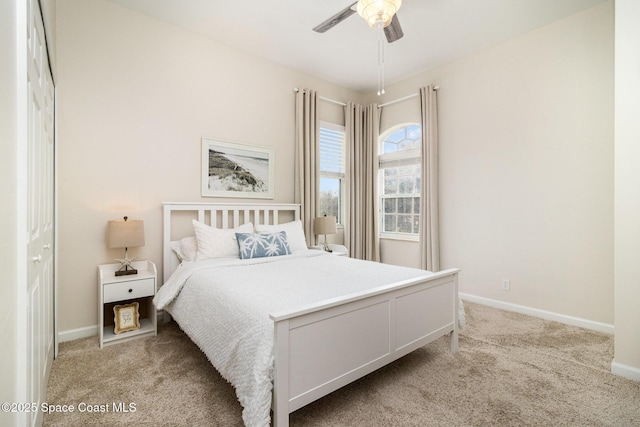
436,31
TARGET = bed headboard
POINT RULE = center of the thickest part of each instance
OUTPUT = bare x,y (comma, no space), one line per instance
219,215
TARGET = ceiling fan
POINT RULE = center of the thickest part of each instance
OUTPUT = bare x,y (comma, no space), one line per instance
379,17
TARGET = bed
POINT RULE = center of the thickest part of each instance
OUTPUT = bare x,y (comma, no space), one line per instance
287,330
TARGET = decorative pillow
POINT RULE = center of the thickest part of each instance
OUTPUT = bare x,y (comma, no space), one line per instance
262,245
295,234
216,242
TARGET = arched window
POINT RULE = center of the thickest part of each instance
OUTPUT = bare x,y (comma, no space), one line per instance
400,163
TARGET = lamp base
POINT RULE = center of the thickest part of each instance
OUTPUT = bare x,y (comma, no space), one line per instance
326,246
126,272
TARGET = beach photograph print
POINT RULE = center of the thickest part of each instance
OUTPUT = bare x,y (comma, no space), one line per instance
236,170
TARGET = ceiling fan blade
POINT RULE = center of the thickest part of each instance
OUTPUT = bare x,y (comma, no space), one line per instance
393,31
335,19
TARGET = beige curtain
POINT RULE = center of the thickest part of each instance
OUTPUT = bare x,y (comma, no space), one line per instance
361,229
307,160
429,228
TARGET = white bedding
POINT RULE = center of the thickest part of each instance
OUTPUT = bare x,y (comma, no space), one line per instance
224,306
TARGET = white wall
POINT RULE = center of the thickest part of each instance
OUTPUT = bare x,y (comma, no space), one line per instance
627,201
8,235
135,97
526,167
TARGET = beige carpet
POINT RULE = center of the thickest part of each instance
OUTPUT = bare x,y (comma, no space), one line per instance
512,370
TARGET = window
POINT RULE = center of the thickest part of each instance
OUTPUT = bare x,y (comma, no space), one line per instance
400,168
332,155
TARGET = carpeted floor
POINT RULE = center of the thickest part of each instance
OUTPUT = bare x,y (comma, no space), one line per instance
512,370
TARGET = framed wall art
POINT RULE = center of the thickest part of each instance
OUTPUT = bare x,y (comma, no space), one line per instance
230,169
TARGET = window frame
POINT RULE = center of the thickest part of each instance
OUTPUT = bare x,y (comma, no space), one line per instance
396,159
340,176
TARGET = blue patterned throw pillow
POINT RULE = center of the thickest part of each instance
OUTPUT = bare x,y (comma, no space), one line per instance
262,245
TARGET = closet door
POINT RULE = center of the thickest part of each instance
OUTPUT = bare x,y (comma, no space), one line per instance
40,213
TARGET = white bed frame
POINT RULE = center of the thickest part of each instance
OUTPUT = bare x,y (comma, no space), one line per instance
322,347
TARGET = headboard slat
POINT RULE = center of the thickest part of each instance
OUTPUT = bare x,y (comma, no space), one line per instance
225,219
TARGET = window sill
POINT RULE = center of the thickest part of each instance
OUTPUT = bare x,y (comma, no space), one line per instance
399,236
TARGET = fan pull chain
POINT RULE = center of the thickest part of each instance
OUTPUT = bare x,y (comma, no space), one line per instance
380,61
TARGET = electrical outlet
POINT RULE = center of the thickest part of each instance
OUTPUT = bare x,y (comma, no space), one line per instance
505,284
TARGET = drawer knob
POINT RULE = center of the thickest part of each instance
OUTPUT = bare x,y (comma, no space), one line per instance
130,290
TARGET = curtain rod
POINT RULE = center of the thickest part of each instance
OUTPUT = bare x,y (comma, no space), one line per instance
395,101
322,98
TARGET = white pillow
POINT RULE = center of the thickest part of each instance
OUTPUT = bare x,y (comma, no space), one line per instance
216,242
175,247
295,234
189,246
186,249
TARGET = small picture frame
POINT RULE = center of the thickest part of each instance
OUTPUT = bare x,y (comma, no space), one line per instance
126,318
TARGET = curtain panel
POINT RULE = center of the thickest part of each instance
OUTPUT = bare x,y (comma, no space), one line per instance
429,226
362,127
307,160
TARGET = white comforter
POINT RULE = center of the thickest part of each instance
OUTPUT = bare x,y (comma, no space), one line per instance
224,306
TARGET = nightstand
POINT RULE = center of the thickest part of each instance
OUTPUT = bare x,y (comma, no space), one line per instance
337,250
115,290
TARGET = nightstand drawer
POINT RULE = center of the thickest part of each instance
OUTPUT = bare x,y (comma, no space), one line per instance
129,290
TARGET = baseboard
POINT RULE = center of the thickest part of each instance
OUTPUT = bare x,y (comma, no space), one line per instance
626,371
76,334
547,315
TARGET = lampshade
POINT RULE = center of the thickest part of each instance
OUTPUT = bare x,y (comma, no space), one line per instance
125,233
378,13
325,225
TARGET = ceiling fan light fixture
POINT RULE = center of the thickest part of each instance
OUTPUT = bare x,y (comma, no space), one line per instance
378,13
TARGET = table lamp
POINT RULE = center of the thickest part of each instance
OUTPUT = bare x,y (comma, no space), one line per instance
125,234
325,225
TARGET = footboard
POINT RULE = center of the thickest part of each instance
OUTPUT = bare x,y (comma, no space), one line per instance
323,347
